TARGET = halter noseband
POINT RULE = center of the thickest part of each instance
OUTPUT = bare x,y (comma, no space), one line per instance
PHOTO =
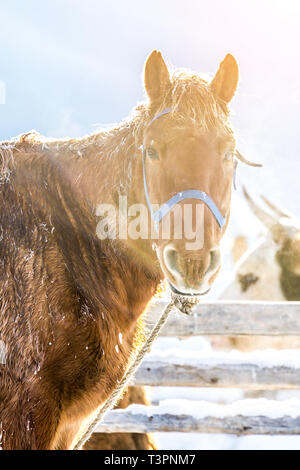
165,208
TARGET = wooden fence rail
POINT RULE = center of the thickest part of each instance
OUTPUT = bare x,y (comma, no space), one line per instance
219,371
140,419
232,318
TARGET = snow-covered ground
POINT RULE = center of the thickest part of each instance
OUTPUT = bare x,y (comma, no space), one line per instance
181,441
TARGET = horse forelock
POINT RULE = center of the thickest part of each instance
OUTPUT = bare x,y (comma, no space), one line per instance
192,102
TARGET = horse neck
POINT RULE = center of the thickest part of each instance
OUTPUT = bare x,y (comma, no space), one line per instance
100,165
98,170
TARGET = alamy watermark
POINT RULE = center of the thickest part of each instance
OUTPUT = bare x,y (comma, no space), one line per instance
183,222
2,92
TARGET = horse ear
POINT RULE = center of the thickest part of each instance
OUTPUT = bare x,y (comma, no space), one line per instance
225,82
156,76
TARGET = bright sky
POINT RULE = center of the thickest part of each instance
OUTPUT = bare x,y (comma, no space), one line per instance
69,64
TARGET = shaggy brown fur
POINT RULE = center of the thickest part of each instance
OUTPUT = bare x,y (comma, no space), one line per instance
65,295
62,289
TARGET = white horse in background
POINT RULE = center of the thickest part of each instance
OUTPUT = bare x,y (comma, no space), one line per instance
270,271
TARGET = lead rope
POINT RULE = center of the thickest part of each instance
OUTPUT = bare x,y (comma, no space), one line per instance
184,304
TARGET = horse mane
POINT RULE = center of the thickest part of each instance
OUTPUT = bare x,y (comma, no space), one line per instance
190,98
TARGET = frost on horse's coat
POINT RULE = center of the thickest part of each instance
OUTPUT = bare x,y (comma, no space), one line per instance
65,295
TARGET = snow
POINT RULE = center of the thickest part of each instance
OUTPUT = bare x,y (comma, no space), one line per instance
266,358
218,395
202,409
191,441
267,443
194,343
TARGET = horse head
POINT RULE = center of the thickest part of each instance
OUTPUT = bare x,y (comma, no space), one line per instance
188,154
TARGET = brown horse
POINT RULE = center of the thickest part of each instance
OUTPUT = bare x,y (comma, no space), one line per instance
72,300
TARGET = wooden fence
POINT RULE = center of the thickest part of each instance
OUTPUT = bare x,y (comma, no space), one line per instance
253,371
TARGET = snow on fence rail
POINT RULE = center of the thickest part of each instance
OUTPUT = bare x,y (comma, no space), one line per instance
261,370
259,416
232,318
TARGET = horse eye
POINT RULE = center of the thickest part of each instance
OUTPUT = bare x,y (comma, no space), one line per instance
228,156
152,153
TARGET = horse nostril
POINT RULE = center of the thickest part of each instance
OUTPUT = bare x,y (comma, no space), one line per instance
215,259
171,261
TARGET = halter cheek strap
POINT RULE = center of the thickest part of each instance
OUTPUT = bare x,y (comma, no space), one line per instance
165,208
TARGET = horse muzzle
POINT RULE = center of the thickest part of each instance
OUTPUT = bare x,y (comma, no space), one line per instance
189,274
